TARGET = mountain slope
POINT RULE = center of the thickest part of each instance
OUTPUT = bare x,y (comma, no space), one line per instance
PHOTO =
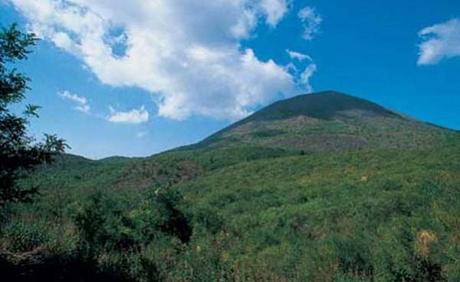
327,121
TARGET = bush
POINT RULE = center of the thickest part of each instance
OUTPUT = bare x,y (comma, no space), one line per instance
24,237
354,256
208,219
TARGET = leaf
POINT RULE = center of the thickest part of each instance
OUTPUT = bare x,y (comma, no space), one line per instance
32,110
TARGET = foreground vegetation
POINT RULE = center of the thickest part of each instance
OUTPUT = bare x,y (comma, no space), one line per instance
383,215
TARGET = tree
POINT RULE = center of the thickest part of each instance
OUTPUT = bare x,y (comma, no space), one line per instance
19,152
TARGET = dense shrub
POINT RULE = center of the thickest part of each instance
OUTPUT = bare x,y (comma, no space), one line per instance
355,216
23,237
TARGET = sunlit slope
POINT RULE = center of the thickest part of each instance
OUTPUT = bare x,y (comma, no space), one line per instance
327,121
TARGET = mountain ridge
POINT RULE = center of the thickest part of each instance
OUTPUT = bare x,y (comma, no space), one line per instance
343,121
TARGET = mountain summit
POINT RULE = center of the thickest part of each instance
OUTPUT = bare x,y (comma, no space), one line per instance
321,105
327,121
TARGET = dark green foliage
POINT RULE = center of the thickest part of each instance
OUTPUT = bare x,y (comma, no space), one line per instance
170,219
354,256
105,223
208,219
94,225
24,237
18,152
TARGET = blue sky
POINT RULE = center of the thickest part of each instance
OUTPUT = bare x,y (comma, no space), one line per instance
135,78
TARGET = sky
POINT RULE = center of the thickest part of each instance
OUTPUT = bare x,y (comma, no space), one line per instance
134,78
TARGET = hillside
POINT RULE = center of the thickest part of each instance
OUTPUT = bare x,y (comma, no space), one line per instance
327,121
320,187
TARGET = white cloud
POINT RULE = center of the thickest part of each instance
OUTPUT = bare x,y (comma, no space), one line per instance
306,75
298,56
274,10
439,41
133,116
302,77
80,101
187,54
311,22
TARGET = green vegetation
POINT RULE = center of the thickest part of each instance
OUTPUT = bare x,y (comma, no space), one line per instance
322,187
18,152
247,214
385,215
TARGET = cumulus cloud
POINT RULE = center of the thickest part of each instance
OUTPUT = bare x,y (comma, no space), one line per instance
133,116
311,22
439,41
80,101
298,56
187,54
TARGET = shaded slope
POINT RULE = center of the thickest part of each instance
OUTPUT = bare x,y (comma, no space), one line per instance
323,105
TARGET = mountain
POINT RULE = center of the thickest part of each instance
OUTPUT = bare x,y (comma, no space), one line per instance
318,187
327,121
